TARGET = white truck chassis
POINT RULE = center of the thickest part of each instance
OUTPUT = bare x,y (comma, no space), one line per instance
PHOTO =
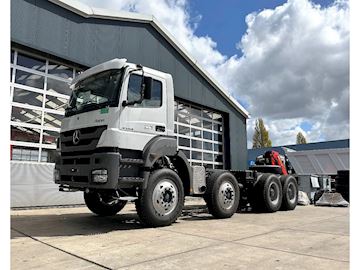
117,144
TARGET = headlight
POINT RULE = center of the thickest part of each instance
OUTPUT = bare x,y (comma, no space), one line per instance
56,175
99,176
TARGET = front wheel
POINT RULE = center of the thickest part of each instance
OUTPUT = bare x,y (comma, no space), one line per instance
104,203
161,203
222,194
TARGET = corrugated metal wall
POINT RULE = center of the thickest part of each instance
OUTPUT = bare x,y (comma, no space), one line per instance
49,28
39,189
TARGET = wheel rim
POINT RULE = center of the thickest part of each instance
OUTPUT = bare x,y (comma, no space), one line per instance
291,193
226,195
273,193
165,197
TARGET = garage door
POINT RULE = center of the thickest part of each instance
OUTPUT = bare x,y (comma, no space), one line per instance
199,133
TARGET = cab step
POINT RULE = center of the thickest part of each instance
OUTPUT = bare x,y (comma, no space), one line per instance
132,161
131,180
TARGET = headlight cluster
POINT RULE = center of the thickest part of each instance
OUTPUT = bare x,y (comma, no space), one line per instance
99,176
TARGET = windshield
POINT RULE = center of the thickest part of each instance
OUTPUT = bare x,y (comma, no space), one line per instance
97,91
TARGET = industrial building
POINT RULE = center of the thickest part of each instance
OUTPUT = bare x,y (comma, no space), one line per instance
53,41
253,153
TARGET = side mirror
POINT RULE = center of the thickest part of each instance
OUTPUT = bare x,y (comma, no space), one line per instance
145,89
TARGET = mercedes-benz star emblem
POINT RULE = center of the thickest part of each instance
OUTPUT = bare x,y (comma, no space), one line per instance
76,137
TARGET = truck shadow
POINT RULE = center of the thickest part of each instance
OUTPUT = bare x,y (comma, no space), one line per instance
75,224
71,224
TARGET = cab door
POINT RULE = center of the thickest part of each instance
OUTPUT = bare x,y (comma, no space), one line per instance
148,118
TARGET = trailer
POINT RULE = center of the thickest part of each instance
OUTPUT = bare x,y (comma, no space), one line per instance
117,144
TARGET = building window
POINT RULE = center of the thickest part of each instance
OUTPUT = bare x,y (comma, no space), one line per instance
39,90
199,134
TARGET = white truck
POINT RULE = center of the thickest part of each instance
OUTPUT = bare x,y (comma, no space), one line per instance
117,144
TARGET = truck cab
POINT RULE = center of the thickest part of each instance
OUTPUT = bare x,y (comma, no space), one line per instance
117,144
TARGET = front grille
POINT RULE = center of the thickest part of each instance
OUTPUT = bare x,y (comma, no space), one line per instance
88,139
82,142
86,130
76,161
74,178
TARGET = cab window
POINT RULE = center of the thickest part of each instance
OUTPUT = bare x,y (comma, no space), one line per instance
134,89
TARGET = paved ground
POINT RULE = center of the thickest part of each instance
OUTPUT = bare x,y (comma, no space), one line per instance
72,238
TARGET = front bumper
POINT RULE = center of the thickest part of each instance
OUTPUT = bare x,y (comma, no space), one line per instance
75,171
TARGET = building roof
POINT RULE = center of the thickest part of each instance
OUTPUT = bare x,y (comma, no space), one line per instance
253,153
91,12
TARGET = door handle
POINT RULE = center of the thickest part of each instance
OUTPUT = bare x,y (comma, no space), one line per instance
160,128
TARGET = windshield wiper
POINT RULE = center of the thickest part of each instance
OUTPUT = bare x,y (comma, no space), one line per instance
85,108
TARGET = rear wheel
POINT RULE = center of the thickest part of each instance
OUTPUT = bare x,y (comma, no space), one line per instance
222,195
103,203
161,203
267,193
290,192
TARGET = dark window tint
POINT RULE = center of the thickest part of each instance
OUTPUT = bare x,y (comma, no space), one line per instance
218,158
218,147
134,94
207,135
49,137
12,56
55,103
27,97
48,155
60,70
52,120
196,144
29,79
196,155
207,124
208,146
184,130
208,166
184,142
57,86
208,157
25,134
217,137
31,62
24,115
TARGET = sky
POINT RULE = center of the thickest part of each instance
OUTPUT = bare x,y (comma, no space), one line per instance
285,61
226,23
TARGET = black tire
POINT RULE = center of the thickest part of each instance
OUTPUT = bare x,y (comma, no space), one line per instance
342,184
290,191
343,173
267,194
222,194
161,203
98,203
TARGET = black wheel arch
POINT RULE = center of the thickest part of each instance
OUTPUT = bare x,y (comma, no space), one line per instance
161,146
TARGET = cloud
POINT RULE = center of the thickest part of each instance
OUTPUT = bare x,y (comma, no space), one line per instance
292,67
295,67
